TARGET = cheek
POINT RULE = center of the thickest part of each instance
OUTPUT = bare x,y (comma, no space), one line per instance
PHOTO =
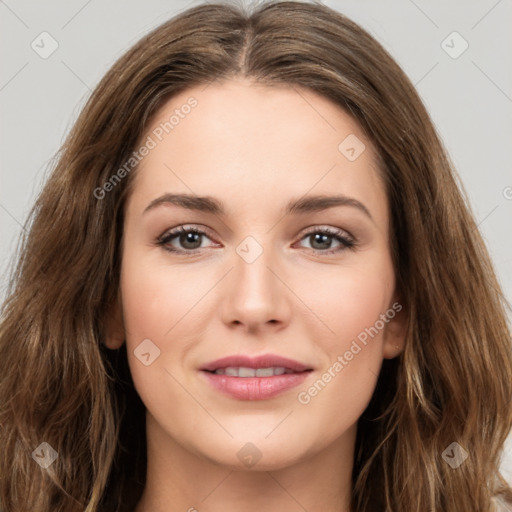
350,304
165,305
157,297
154,300
350,300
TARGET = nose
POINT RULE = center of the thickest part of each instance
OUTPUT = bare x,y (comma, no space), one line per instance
256,295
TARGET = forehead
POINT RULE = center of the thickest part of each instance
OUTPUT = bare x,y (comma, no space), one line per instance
244,140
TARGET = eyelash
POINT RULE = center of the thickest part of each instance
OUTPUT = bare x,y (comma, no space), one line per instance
346,241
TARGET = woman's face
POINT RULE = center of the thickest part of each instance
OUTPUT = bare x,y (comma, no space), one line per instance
306,286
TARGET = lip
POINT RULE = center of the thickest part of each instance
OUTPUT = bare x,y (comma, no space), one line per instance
263,361
255,388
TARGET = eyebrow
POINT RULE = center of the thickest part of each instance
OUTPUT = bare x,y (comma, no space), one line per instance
306,204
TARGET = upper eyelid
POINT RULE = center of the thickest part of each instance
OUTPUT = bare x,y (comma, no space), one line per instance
173,232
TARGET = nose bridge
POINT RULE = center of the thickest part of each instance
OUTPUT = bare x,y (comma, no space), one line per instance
256,295
252,275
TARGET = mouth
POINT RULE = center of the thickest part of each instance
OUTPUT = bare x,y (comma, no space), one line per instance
259,378
245,372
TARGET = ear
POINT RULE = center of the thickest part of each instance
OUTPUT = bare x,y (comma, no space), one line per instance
395,330
114,326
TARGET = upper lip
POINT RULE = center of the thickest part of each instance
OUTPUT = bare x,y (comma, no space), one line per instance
263,361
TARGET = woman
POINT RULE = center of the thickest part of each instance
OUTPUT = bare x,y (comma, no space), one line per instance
336,341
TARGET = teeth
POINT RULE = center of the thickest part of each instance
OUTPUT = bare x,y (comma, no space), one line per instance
265,372
246,372
242,371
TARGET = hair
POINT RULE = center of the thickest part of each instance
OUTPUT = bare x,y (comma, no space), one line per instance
60,385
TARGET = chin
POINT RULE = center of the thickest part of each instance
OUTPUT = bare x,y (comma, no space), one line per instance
256,455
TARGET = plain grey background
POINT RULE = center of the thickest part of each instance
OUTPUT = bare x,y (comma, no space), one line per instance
457,53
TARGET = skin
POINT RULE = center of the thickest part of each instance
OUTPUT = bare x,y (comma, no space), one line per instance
254,148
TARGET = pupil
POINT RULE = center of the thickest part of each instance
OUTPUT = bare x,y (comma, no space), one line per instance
191,238
323,239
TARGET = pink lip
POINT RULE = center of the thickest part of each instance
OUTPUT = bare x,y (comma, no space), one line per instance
255,388
264,361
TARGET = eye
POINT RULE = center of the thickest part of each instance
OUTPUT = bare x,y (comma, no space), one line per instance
190,239
321,240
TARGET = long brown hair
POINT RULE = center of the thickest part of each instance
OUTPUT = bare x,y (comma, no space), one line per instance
59,383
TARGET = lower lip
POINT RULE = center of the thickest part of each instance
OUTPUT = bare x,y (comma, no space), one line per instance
255,388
